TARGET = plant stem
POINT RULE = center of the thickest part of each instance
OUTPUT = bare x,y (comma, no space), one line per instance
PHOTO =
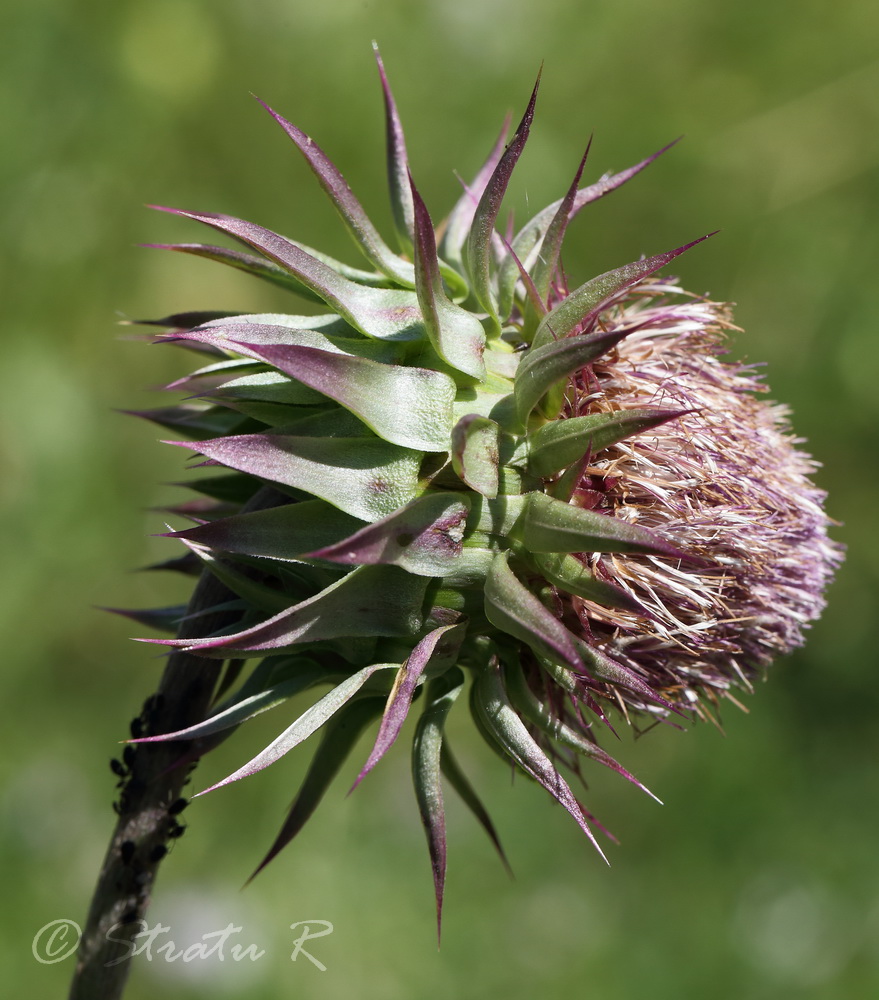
145,825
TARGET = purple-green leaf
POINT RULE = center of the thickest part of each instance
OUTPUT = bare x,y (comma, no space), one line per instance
579,310
405,405
383,313
398,164
379,601
231,488
328,324
607,669
575,684
365,477
550,525
460,219
272,391
544,367
438,647
477,256
265,269
456,334
475,453
283,533
425,537
496,516
607,184
257,595
183,321
568,573
427,759
533,232
241,710
162,619
187,565
309,722
458,780
209,376
340,734
513,737
241,333
194,419
528,705
534,304
547,260
513,609
366,236
559,443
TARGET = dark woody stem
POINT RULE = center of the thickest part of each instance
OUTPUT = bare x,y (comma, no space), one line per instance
149,801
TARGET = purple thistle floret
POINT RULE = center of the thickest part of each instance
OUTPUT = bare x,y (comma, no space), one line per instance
726,481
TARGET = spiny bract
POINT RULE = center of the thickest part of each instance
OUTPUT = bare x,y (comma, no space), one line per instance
460,467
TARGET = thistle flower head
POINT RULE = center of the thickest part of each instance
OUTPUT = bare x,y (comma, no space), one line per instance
460,471
726,481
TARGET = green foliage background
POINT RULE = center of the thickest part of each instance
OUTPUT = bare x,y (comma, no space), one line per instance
758,878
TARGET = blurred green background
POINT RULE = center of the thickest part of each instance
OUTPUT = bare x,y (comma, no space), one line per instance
760,876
